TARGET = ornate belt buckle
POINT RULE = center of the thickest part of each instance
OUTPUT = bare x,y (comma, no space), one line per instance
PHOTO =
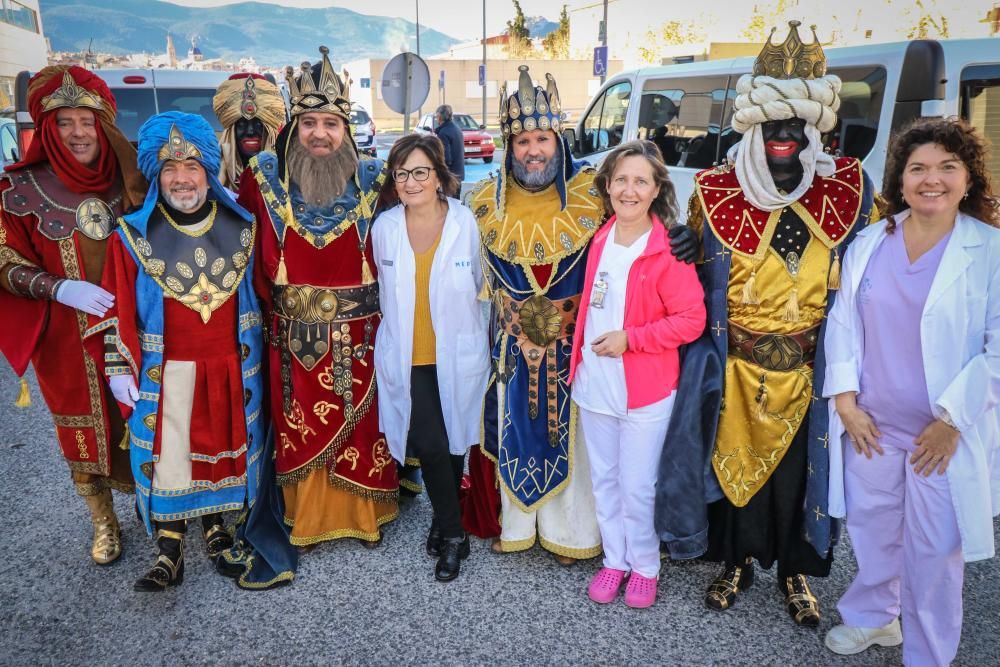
540,320
326,305
777,352
94,219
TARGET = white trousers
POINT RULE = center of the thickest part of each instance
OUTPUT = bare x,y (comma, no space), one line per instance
566,524
624,459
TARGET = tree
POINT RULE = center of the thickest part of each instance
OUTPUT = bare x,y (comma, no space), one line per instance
556,43
925,24
519,44
762,20
671,33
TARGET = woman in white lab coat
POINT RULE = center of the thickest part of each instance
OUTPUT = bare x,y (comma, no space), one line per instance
431,351
913,366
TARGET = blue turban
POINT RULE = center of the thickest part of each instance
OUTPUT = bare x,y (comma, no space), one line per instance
154,135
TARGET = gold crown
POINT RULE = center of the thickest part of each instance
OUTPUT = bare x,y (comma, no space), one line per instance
69,94
530,107
177,147
792,59
327,95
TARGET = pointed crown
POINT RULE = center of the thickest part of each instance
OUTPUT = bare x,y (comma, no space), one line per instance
69,94
792,59
317,88
177,148
530,107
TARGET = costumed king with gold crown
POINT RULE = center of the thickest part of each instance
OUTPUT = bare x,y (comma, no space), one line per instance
315,202
774,224
251,111
57,209
182,344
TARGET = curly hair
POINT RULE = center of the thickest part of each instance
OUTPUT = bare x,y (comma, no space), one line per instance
955,136
429,145
665,204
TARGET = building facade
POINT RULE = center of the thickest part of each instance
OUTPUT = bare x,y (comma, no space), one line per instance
22,44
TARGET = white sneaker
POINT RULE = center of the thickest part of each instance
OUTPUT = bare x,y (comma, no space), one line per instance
847,640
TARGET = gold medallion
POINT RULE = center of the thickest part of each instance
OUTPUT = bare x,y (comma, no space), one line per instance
94,219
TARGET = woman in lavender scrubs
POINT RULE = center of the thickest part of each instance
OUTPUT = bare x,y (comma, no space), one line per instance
913,363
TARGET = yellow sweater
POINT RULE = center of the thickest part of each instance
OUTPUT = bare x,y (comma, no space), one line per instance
423,330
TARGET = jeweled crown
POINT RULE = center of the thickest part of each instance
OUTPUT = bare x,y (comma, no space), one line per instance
792,59
530,107
177,147
324,93
69,94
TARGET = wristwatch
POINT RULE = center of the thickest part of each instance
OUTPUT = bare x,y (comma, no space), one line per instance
946,418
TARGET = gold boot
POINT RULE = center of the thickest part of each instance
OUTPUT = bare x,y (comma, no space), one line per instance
107,545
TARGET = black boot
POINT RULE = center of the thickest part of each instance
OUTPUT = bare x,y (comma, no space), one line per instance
168,570
217,538
735,579
434,539
800,602
453,551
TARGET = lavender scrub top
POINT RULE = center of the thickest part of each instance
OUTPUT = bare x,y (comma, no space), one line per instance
891,301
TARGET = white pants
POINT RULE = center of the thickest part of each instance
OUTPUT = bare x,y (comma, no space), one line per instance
566,524
624,460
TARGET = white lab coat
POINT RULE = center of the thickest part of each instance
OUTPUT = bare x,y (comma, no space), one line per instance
462,341
960,338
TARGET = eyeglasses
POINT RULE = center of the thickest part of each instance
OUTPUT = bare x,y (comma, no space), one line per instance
418,173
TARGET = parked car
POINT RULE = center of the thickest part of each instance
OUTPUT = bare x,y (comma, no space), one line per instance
364,131
8,143
478,142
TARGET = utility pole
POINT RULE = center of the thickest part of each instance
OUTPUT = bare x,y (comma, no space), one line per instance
604,38
420,111
484,62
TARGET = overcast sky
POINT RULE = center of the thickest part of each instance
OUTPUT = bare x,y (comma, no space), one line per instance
462,19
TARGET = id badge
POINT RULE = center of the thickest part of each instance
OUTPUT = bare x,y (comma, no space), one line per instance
599,291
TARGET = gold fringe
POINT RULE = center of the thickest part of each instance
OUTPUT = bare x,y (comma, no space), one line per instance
24,396
366,272
792,307
834,281
484,291
750,290
281,276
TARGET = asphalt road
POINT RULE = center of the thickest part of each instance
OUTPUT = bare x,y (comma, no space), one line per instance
353,606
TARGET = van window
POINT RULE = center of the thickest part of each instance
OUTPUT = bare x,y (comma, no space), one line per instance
135,105
189,100
980,105
604,126
683,118
359,116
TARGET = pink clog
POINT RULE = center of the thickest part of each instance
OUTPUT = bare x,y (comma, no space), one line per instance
640,592
605,584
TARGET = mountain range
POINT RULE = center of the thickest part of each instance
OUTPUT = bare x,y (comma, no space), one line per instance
273,35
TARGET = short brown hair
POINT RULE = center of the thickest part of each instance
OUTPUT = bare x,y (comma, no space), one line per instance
955,136
430,146
665,204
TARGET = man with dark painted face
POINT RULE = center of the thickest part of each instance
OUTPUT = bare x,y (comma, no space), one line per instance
774,222
251,111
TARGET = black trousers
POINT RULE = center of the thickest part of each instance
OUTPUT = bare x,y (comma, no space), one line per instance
769,527
428,440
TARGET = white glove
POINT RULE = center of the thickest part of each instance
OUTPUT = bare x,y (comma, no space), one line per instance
124,389
84,296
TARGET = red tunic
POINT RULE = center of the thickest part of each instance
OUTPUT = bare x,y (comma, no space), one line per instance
49,334
316,433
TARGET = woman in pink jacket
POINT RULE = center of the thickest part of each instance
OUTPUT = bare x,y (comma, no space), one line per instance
639,305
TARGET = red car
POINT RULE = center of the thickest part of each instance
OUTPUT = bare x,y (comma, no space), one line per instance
478,142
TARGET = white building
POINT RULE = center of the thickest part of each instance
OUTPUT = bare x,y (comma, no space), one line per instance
22,44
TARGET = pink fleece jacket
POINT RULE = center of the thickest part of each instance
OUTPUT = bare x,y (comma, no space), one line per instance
664,309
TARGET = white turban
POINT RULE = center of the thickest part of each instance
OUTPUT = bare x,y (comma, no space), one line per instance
763,98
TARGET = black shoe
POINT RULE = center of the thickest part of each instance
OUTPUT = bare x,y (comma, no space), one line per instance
453,551
232,562
217,538
800,602
434,540
371,544
721,594
168,570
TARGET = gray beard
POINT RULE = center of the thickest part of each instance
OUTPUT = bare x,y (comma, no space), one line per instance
181,206
322,180
536,180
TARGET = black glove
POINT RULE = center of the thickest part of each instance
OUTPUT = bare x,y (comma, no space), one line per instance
683,243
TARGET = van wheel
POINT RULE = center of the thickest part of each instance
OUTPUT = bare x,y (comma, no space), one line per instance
487,160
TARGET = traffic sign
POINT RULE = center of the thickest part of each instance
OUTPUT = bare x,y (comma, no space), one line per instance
600,61
482,75
441,80
406,81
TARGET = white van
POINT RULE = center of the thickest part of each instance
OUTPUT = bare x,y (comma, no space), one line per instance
687,109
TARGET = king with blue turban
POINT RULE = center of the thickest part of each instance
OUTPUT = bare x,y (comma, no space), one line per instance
182,345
